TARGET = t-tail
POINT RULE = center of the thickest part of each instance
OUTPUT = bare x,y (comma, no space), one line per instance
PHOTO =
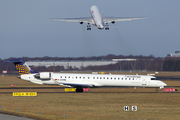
22,67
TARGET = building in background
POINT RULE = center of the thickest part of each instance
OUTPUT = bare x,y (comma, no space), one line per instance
176,54
75,64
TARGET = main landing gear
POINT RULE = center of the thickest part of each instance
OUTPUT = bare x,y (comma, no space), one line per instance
79,89
88,27
106,26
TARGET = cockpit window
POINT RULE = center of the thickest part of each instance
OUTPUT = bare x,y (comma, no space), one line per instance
154,79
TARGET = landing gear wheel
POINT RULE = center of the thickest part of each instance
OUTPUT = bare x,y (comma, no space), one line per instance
88,27
79,89
106,26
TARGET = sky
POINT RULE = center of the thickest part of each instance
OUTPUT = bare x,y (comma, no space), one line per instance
27,31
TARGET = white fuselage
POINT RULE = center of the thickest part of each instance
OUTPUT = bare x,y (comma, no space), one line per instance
97,17
98,80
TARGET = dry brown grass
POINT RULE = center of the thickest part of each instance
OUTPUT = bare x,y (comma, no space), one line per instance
7,80
96,105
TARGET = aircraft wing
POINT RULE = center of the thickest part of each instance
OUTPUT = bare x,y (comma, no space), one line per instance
81,19
116,19
78,85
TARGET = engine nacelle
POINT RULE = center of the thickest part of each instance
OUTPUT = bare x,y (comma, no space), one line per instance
113,22
43,75
81,22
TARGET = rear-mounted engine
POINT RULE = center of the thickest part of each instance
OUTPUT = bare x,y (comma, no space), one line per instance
43,76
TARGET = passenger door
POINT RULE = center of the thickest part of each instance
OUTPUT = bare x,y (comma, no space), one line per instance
144,81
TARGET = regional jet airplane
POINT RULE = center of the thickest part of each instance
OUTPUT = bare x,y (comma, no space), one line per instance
81,81
97,19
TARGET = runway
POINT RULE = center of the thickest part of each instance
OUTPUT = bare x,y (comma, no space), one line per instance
32,87
65,87
7,116
177,78
60,90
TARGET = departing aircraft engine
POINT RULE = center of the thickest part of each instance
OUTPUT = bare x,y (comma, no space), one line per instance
113,22
43,75
81,22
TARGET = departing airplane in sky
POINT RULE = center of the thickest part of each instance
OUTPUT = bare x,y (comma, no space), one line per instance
80,81
97,19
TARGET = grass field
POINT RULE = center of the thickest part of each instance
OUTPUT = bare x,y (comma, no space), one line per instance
154,106
101,103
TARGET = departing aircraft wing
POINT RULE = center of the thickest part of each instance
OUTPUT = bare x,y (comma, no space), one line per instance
78,85
81,19
116,19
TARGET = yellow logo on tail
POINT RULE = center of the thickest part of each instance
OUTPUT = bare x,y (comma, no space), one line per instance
22,69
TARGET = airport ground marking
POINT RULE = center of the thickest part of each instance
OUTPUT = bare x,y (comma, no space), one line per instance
126,108
25,94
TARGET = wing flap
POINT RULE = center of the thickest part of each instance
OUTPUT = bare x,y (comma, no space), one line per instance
81,19
110,19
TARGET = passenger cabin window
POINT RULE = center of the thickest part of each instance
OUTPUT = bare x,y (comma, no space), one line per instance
122,78
129,78
107,78
125,78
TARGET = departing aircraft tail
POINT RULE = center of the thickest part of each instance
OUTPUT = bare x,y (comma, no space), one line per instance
22,67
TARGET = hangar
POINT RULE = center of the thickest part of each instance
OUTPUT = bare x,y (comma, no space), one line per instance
77,64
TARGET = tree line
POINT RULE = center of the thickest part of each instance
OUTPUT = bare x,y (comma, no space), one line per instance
171,64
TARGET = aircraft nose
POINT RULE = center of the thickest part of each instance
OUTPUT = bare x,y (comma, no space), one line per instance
163,84
101,27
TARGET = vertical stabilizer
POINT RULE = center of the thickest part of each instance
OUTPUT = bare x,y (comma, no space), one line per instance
22,67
